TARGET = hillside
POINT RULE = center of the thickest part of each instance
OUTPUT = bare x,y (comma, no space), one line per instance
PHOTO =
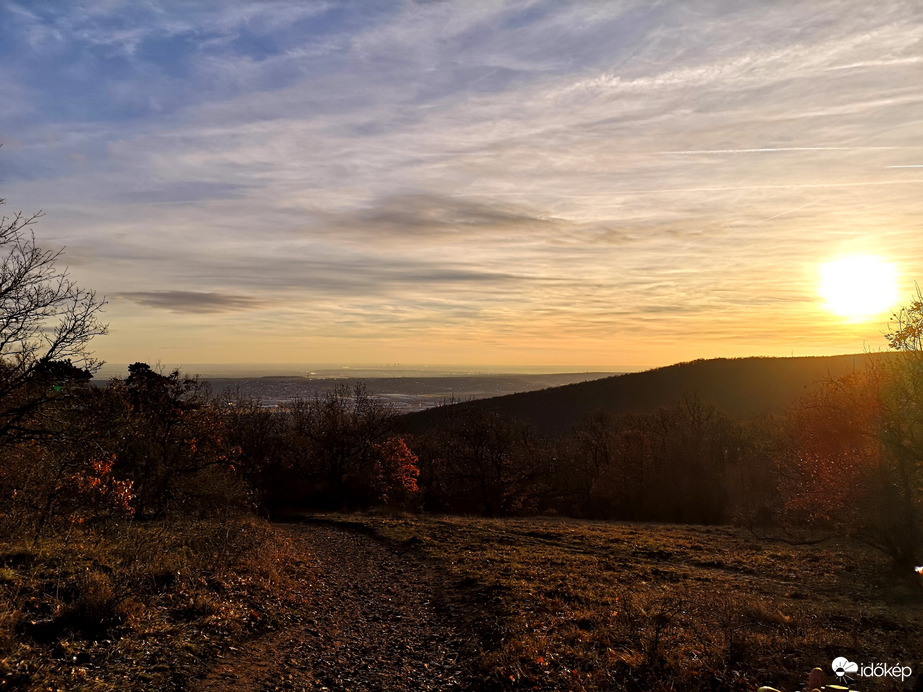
741,387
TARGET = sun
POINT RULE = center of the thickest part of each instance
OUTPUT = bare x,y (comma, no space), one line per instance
858,287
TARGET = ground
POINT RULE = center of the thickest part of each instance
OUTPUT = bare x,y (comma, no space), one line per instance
365,602
377,620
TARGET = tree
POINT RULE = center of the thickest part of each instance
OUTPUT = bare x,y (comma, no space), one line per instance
907,333
46,324
489,464
256,435
835,456
395,472
856,464
171,436
901,490
333,436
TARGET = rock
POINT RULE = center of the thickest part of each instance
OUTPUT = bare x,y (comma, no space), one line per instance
816,679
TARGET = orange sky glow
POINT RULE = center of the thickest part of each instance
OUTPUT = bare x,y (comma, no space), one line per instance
582,185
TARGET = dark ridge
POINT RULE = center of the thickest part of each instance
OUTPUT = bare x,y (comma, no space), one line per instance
741,387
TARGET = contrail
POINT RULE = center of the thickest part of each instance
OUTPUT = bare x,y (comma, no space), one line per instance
723,188
912,165
796,186
774,149
791,210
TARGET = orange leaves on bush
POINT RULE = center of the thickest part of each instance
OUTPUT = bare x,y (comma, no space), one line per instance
96,485
396,470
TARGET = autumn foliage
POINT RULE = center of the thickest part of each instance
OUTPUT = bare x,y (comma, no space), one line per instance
395,471
855,460
836,450
99,488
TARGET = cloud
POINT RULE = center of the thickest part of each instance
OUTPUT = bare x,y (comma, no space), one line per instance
434,213
190,301
426,218
178,192
510,168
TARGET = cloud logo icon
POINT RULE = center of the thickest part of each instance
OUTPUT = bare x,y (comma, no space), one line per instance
842,666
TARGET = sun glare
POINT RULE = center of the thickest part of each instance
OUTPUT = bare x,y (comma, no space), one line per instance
858,287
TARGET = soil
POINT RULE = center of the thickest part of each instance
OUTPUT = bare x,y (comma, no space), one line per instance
375,617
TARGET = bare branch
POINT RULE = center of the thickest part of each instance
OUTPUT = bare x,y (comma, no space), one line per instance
44,318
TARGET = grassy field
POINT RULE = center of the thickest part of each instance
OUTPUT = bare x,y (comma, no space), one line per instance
577,605
141,606
558,604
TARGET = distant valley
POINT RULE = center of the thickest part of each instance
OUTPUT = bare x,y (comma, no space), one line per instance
406,393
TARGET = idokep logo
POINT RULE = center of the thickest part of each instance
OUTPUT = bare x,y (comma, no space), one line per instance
842,667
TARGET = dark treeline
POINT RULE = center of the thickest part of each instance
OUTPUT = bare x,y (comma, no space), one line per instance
146,445
157,444
844,459
685,463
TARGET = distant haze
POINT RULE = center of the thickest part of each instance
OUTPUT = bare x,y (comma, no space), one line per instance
329,371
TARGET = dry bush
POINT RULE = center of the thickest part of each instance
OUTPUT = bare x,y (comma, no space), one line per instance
27,482
9,617
212,492
95,606
648,620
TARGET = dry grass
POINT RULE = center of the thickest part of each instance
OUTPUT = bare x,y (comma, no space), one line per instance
578,605
139,606
560,604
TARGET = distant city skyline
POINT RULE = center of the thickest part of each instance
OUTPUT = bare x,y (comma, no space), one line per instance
492,184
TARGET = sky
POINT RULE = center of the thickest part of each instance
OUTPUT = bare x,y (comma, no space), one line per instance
580,184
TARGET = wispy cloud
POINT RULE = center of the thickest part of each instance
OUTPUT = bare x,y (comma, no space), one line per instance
190,301
531,176
773,150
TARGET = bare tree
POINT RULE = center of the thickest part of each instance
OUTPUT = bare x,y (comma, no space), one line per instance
335,434
46,324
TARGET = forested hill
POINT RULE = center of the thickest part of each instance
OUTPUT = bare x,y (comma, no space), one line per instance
740,387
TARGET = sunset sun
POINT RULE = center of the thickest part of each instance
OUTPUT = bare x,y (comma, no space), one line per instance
859,286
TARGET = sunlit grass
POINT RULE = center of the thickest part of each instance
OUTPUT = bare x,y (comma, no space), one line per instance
583,605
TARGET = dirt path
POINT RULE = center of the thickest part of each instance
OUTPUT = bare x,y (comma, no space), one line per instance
375,620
